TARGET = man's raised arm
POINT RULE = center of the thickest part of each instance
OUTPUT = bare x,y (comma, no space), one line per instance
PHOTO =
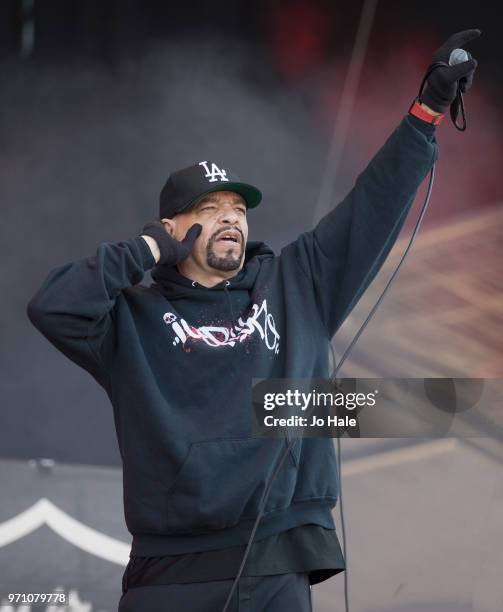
344,252
346,249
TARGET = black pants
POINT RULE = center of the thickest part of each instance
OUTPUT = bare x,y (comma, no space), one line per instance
276,593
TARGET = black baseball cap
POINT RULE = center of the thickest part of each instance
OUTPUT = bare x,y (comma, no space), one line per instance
184,187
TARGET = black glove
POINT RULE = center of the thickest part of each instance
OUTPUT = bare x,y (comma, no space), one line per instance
172,250
442,83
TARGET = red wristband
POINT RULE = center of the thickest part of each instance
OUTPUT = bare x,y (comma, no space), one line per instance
418,111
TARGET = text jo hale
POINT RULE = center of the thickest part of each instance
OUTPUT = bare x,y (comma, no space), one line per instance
298,421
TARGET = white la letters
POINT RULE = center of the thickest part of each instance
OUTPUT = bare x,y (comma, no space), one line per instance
215,172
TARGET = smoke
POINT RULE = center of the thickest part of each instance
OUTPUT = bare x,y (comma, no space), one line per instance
468,169
85,152
86,148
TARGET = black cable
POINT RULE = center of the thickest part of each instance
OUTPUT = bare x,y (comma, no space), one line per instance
290,446
341,505
456,104
379,300
343,359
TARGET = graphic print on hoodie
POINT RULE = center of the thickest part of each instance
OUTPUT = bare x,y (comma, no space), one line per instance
177,359
259,321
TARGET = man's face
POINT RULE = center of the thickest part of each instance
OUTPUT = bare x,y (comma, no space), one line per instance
221,244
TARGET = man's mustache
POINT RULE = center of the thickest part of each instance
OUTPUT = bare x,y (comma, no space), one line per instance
214,237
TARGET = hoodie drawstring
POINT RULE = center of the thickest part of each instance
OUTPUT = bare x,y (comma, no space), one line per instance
227,283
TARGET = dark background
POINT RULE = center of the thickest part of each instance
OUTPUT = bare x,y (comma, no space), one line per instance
101,100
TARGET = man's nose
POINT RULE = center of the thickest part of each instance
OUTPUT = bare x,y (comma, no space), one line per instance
229,215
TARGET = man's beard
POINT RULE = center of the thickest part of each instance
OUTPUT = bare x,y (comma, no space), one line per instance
230,261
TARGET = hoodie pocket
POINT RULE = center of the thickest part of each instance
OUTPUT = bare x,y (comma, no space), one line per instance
222,481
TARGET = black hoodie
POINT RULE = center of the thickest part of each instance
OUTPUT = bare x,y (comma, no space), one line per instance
177,360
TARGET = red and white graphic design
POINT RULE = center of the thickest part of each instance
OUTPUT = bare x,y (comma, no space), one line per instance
259,322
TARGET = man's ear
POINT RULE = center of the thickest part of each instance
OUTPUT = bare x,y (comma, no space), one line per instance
169,226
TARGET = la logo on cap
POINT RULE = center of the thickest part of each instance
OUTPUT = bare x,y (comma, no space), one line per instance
215,174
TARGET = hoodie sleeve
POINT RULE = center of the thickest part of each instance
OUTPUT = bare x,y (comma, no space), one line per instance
348,246
73,308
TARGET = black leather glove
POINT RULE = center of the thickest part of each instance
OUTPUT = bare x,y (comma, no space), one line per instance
442,83
172,250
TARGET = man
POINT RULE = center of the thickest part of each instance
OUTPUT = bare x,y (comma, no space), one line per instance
177,360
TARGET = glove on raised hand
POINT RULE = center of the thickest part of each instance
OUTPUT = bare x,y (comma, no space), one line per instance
442,83
172,250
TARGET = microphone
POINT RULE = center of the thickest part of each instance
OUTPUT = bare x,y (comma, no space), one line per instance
458,56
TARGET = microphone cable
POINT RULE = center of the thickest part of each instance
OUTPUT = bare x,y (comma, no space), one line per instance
267,490
456,104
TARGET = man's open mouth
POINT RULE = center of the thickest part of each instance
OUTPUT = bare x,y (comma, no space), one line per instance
230,236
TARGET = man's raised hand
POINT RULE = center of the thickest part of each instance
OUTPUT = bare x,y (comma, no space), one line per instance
442,83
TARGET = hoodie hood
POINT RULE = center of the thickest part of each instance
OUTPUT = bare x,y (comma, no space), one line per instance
176,287
169,281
